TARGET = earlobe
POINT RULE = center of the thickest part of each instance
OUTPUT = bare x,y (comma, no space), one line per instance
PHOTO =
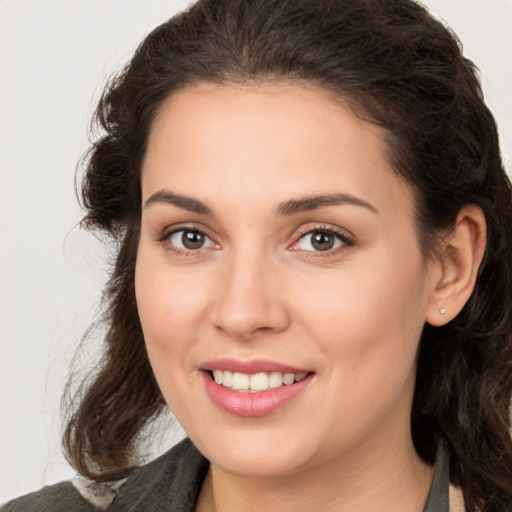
458,260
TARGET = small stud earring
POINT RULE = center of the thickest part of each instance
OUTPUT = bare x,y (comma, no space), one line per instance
443,312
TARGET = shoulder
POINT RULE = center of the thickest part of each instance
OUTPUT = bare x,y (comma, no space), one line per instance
62,497
172,480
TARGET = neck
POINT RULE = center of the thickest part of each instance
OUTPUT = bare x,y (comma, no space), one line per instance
387,477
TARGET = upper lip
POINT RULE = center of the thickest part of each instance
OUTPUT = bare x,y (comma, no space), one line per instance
251,366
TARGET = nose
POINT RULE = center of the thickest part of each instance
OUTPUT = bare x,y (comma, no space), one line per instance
249,301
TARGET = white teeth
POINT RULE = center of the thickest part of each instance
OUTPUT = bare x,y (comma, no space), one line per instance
227,379
256,382
275,380
240,381
259,382
288,378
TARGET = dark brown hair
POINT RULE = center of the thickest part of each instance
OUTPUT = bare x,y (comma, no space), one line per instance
397,67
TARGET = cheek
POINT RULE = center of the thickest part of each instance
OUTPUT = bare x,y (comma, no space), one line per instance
170,305
169,308
168,300
367,327
367,314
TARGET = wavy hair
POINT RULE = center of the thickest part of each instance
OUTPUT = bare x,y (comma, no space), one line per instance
396,66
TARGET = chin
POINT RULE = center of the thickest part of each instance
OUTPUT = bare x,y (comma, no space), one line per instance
257,464
254,454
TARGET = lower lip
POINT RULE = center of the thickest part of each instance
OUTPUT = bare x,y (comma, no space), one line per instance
256,404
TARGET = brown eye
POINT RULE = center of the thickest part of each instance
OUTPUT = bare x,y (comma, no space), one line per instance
190,240
320,241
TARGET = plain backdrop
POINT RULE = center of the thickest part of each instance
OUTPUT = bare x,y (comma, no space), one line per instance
55,55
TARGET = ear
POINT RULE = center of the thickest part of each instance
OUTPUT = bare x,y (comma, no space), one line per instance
457,264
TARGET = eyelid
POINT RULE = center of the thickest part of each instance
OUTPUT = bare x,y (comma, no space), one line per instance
167,230
165,234
346,238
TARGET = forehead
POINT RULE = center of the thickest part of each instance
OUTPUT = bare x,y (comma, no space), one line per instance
284,109
218,140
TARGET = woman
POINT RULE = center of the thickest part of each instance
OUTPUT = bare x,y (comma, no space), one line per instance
314,268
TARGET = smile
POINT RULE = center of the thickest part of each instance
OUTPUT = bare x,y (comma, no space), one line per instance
253,388
256,382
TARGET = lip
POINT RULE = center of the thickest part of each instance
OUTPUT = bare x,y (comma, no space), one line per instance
251,366
258,404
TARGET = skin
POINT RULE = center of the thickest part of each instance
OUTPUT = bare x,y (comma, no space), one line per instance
258,288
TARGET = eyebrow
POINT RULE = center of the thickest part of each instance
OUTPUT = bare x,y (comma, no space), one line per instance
187,203
290,207
309,203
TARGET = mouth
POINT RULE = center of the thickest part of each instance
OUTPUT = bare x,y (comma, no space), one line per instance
256,382
253,388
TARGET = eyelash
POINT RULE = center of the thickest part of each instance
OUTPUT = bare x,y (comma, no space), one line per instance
345,240
166,236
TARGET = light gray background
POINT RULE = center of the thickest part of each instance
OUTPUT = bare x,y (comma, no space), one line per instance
54,57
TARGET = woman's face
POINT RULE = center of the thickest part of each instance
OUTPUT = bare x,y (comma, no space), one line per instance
278,250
